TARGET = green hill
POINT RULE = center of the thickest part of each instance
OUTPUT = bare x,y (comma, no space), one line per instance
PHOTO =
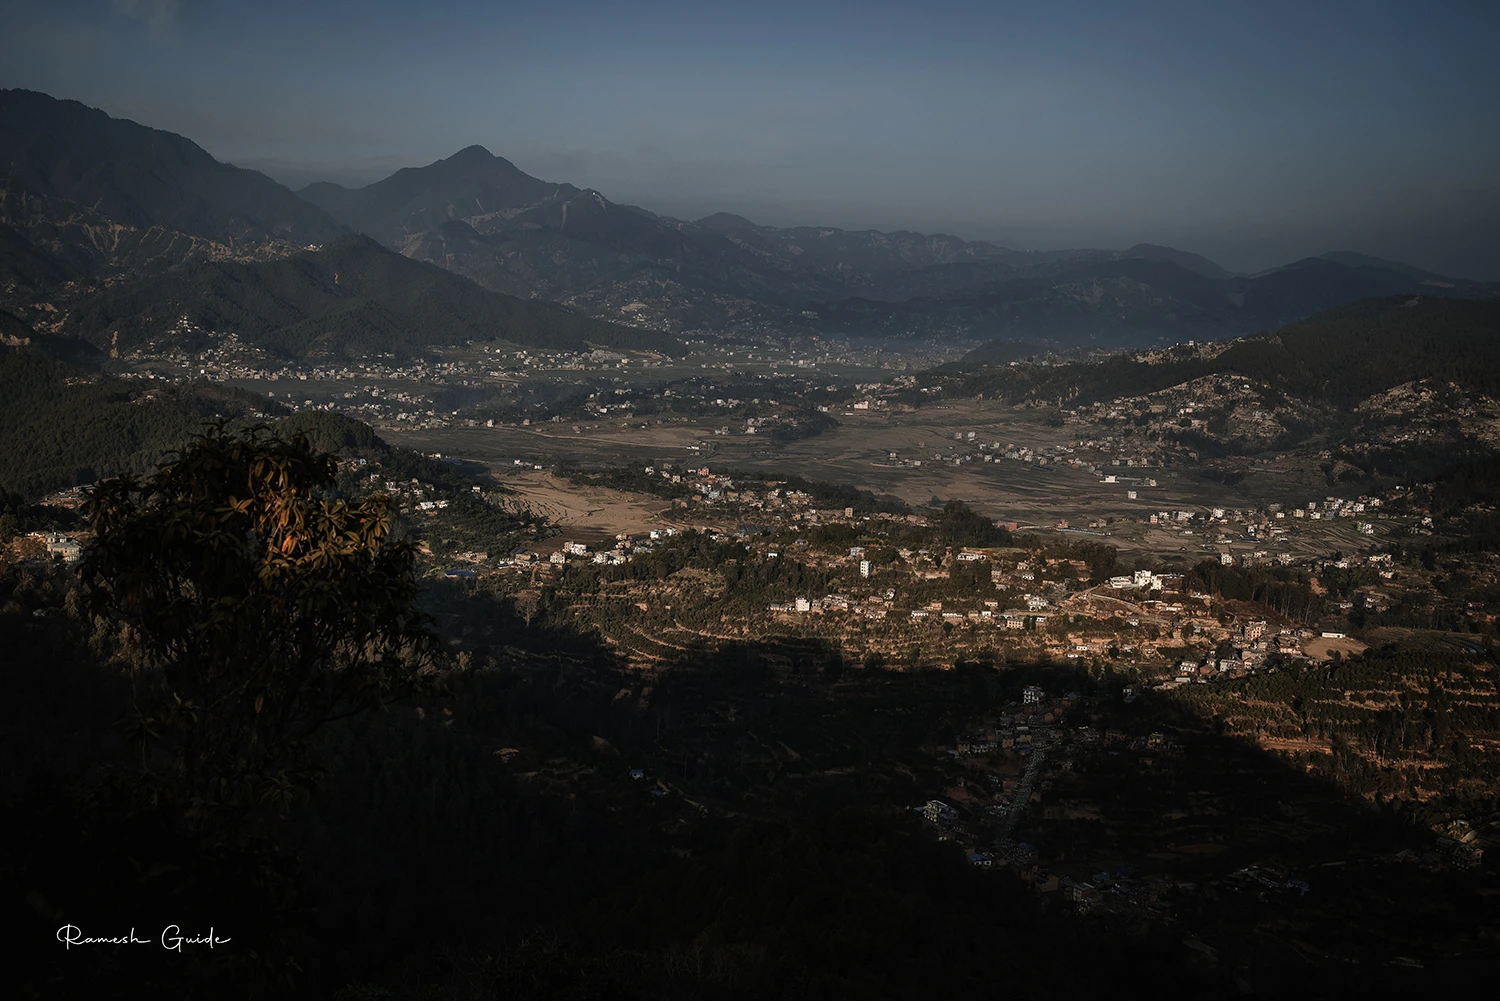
1345,354
65,426
68,426
351,298
1339,356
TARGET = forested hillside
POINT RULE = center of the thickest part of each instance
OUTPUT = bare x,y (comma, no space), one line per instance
1347,353
349,299
1339,356
66,426
70,426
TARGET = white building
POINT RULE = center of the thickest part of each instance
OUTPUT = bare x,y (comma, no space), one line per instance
61,545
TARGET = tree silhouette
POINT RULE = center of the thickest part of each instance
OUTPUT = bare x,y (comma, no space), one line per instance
255,606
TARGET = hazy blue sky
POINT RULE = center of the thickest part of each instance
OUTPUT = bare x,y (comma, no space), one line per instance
1253,132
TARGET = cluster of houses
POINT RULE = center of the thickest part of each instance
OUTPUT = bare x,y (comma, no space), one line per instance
572,552
578,551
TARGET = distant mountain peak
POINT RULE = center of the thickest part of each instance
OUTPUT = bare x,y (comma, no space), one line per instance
474,152
479,157
470,184
473,160
725,222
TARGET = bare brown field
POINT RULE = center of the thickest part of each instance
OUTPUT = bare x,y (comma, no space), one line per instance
1322,649
586,513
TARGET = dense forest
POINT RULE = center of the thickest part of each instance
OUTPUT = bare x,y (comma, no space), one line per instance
1347,353
1279,589
67,426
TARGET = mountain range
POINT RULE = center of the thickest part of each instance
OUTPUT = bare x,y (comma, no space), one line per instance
90,204
480,215
1138,301
141,235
